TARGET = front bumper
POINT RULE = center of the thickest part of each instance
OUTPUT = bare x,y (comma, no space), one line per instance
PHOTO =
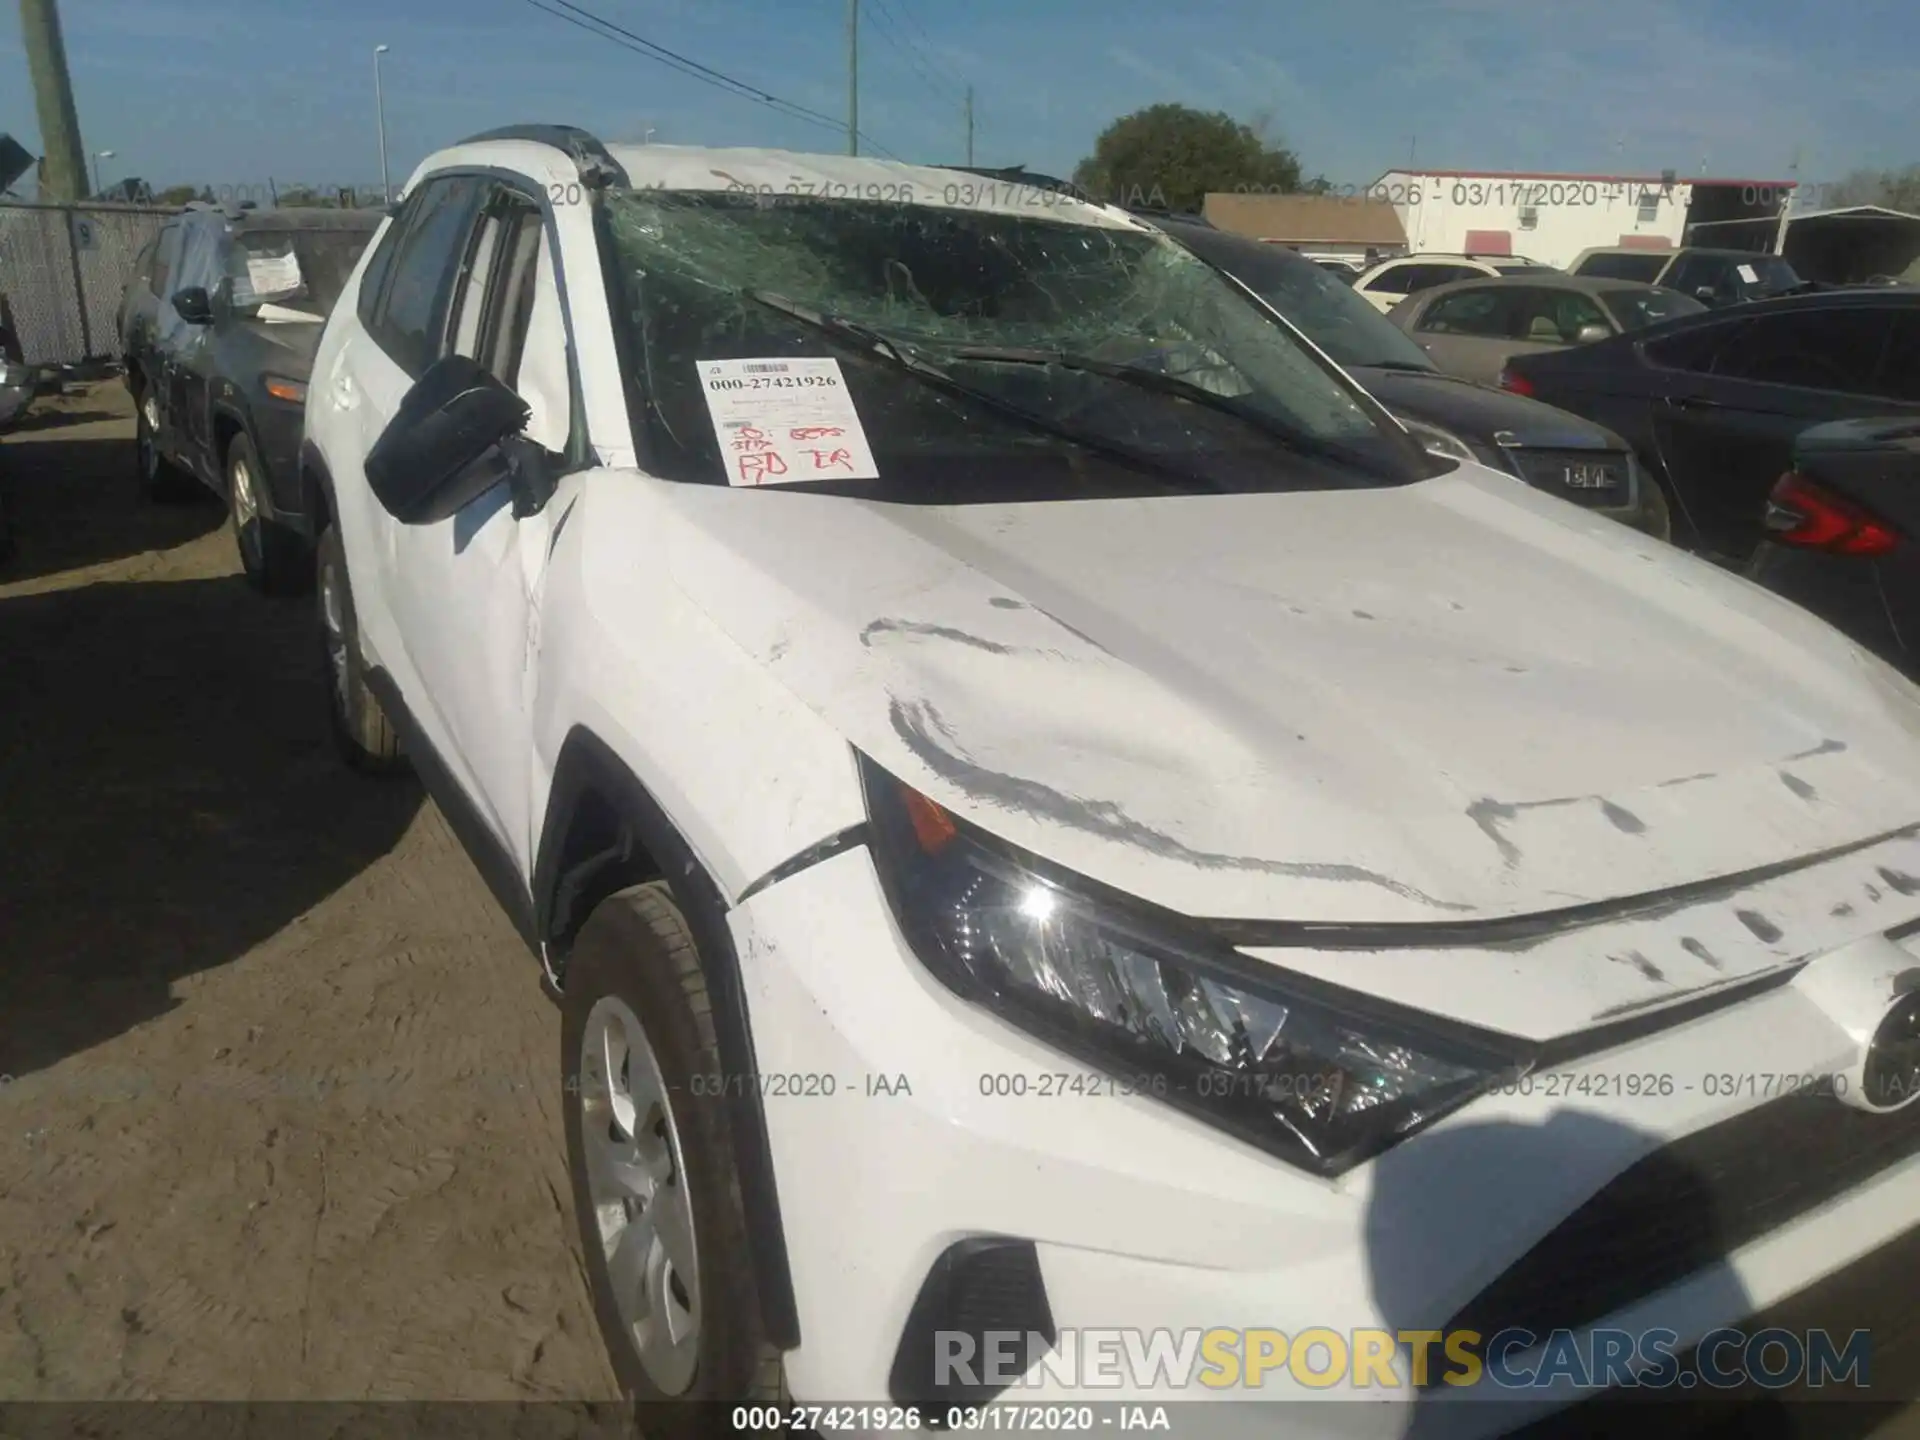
903,1120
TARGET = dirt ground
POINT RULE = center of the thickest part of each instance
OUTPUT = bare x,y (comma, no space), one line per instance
277,1081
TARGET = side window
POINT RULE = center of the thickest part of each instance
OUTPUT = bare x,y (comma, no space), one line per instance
525,336
1686,274
1814,349
410,325
1899,377
539,353
1556,316
202,241
1469,312
1426,277
1394,281
165,260
1694,349
508,316
375,279
469,304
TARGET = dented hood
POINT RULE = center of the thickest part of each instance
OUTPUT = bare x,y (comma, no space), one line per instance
1448,701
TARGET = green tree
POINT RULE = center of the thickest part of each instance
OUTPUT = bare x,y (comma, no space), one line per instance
1172,156
176,195
299,197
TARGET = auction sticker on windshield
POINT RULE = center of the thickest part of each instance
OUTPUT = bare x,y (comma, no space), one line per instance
785,422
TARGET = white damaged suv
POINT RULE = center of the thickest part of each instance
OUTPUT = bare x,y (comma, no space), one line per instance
1046,811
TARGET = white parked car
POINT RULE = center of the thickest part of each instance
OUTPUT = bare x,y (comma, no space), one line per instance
1385,285
1044,809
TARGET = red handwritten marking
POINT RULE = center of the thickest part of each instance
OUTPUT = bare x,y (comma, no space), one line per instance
754,468
815,432
829,459
749,438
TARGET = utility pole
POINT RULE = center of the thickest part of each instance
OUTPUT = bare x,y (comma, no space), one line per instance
380,119
1786,205
969,124
65,169
853,77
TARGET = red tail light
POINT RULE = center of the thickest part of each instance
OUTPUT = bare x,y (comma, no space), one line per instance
1518,384
1801,513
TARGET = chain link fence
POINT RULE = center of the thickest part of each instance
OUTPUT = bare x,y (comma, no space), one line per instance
63,269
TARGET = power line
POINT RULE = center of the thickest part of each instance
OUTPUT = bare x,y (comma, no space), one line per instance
586,20
907,48
929,46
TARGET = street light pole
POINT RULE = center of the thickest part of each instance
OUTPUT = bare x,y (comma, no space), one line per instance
853,77
380,118
99,155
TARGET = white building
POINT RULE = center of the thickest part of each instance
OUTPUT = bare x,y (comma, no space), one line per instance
1552,218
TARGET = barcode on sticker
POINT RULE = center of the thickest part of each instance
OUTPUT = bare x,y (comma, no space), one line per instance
764,369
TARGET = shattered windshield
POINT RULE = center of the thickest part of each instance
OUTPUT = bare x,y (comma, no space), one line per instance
986,355
1322,305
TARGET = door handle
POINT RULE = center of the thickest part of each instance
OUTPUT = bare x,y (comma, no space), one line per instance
1694,402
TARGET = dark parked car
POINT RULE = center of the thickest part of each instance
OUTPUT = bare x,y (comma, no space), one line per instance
1715,402
218,328
1715,278
1548,448
1841,531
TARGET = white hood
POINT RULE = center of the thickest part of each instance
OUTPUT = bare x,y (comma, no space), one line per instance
1458,700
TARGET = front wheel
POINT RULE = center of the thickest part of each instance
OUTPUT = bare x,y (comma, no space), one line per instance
655,1190
276,559
366,739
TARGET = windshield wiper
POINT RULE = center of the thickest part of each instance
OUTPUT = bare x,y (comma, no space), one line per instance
1403,366
903,358
1158,382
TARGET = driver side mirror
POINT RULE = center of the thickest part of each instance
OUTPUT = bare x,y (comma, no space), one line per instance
1592,335
1703,292
423,467
194,305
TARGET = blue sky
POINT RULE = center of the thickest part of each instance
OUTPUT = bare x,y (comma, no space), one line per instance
232,92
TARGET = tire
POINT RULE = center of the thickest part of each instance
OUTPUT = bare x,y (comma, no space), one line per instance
634,986
361,730
160,479
276,560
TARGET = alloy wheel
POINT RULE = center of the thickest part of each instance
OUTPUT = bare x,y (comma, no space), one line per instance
637,1184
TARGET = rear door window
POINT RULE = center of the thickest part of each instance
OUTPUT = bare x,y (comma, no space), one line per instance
1837,350
1485,312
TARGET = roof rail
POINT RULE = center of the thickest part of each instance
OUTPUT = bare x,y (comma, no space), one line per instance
594,161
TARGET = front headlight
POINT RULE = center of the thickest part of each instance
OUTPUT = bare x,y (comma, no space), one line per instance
1436,441
1319,1077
